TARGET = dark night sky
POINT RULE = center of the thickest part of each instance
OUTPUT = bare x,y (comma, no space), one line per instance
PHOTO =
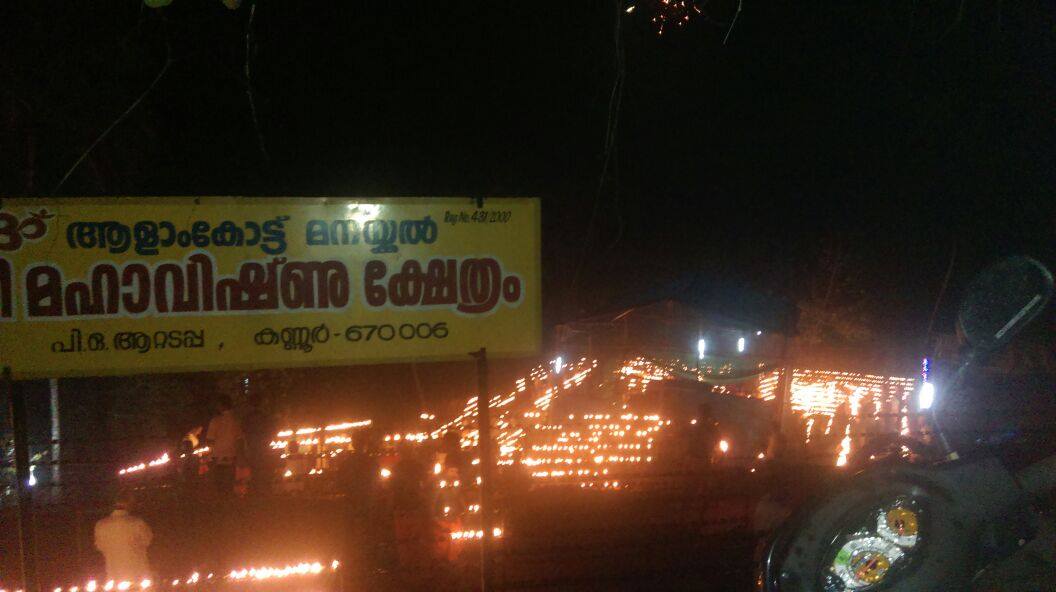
857,126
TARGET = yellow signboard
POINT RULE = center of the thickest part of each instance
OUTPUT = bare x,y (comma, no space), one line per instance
136,285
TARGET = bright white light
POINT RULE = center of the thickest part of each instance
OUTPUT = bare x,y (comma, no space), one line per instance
724,446
702,346
558,363
927,395
385,473
740,344
361,213
758,333
32,476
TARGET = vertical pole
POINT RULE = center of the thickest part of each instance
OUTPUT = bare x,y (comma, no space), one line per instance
78,523
788,374
418,388
19,425
487,465
56,435
784,391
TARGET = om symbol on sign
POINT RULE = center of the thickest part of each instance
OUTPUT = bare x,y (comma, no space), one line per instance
13,231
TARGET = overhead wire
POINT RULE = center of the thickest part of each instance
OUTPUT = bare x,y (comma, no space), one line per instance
120,118
611,127
249,83
733,23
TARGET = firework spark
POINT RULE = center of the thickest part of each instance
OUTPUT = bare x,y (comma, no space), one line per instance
668,13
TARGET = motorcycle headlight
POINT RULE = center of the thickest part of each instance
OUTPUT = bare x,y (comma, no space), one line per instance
878,546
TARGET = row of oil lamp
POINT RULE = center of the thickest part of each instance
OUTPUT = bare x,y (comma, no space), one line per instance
196,579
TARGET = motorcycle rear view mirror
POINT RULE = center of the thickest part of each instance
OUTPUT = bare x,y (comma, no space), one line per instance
1002,300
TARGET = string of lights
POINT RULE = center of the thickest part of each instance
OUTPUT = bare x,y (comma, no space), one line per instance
521,417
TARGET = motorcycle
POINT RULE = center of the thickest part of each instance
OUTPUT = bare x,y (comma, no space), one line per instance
965,522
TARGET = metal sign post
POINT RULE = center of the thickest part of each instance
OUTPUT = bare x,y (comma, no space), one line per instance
56,437
487,465
19,425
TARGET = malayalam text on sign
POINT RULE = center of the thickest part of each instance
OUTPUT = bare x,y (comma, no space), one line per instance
126,286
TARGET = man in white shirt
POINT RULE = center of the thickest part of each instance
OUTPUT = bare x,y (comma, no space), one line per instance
224,438
123,539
